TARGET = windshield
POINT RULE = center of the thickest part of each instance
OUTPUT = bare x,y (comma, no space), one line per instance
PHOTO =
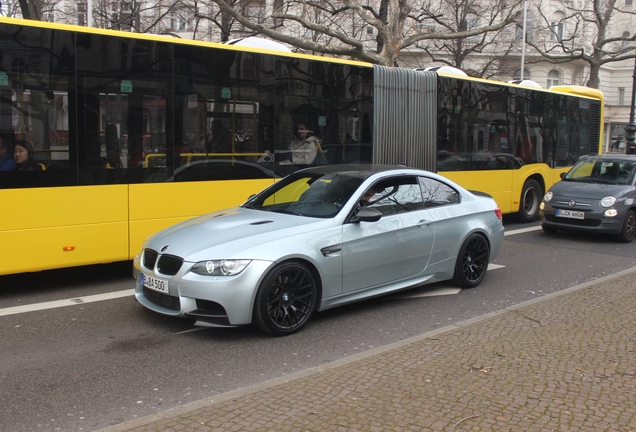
602,171
313,195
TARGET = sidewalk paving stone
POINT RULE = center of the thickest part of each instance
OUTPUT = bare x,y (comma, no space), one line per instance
563,362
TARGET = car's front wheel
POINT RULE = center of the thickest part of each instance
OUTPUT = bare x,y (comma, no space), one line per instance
628,232
472,262
285,299
549,230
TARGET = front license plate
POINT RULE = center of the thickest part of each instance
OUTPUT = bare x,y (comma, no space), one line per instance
154,283
571,214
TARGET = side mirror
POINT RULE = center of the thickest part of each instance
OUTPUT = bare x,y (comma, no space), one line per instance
366,214
562,174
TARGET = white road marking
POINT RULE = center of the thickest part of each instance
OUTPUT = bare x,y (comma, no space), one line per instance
437,291
68,302
522,230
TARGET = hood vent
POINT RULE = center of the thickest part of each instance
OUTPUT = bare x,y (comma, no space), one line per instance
261,222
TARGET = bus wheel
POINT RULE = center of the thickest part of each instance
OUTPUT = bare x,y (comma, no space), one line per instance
530,201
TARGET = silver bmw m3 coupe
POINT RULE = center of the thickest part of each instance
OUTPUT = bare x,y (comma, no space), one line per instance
319,238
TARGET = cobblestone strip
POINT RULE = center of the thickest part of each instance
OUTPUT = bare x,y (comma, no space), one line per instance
563,364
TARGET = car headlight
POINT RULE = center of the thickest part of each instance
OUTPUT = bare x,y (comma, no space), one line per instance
219,267
548,196
608,201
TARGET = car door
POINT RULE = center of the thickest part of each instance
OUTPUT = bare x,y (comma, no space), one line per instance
395,247
442,206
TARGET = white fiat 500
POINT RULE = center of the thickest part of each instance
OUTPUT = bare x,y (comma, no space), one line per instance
319,238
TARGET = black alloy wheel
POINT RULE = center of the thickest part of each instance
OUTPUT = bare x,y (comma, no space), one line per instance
628,232
530,201
285,300
472,262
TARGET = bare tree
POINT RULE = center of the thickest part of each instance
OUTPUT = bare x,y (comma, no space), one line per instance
34,9
485,49
10,8
564,34
335,28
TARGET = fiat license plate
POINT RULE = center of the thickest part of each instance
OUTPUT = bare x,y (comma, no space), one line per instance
571,214
154,283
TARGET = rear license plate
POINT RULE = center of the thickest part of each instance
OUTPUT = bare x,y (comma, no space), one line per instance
154,283
571,214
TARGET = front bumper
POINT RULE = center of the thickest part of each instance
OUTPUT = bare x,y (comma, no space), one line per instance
214,301
594,222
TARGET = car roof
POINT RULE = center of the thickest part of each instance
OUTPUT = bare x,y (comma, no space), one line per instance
362,171
617,157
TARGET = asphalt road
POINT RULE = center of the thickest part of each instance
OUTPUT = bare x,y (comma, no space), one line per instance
82,365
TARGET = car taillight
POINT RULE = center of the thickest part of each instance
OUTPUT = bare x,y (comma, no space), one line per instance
498,213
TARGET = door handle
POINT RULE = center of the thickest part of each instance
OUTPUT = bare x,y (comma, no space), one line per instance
423,223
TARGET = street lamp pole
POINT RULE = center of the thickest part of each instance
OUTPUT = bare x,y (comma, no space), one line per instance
630,130
523,39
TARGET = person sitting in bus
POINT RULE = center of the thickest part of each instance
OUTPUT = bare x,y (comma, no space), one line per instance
22,153
304,147
220,140
7,163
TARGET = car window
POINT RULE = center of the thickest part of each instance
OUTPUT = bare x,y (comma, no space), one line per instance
602,171
436,193
312,195
397,195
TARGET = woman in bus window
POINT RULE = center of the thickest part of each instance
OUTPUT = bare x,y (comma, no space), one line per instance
22,153
304,147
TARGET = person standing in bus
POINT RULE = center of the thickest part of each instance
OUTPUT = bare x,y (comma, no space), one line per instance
304,147
221,139
7,163
22,153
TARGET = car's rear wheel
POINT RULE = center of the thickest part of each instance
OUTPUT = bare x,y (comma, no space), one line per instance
530,200
472,262
285,300
549,230
628,232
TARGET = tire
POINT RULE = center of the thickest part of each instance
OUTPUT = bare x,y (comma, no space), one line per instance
628,232
472,262
530,200
285,299
549,230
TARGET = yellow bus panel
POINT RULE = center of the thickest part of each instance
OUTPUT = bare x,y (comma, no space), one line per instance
63,227
155,206
495,183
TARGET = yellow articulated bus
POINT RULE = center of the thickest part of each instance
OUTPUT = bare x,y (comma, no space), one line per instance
127,134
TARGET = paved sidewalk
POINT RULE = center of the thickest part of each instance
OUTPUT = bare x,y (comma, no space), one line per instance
563,362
